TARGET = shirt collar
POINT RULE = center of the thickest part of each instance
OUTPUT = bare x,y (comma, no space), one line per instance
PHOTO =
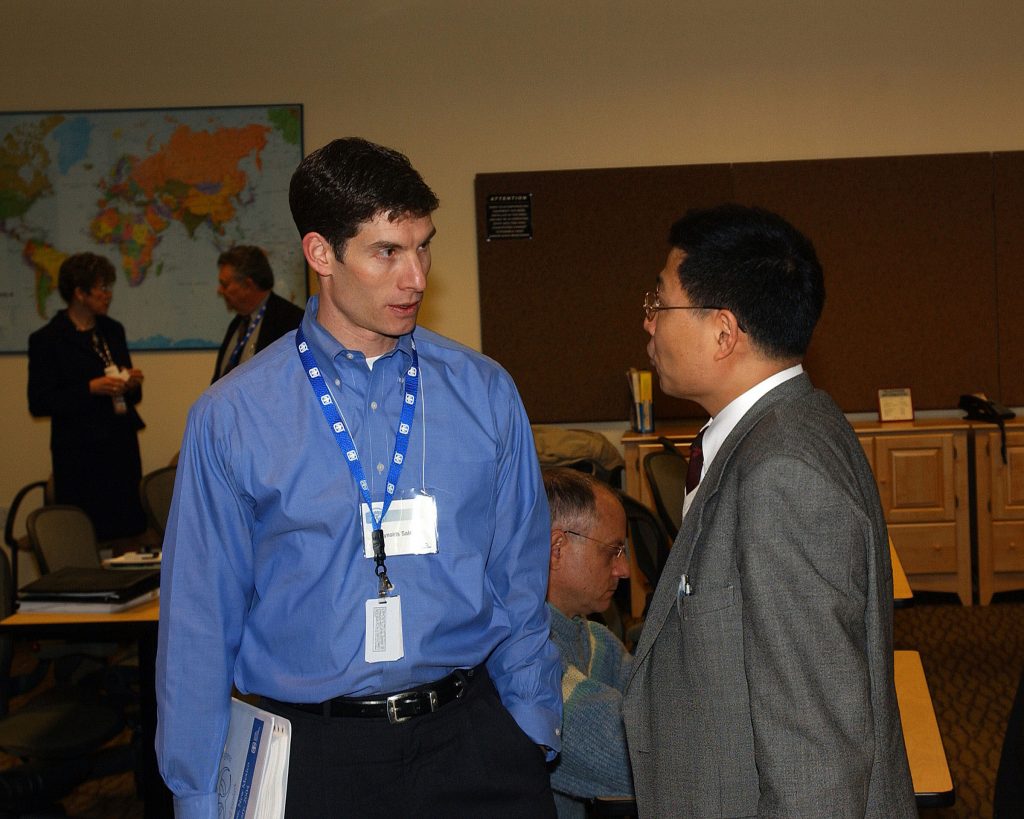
718,428
327,348
255,310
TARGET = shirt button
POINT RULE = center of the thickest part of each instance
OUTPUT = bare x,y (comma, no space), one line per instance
373,405
337,382
380,468
349,356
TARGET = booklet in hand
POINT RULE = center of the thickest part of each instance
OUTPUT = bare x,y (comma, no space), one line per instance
253,778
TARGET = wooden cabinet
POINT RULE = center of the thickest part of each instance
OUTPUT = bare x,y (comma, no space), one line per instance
922,473
1000,491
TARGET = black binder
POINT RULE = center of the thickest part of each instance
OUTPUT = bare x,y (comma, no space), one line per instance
80,585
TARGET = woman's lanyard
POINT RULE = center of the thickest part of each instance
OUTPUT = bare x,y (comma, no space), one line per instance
99,344
253,324
348,446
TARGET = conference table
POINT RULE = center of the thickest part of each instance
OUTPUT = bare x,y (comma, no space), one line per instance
933,784
138,624
901,593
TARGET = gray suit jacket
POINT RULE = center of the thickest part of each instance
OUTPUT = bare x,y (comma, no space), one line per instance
768,691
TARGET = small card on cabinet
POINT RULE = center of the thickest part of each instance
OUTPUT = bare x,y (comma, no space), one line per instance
895,405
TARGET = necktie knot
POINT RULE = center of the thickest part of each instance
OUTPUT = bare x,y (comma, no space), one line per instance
696,463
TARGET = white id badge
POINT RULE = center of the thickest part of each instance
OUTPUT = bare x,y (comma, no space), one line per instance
384,630
410,526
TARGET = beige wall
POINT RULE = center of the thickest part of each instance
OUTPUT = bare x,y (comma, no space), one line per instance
469,86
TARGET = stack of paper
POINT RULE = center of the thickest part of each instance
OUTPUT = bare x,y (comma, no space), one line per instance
133,560
253,779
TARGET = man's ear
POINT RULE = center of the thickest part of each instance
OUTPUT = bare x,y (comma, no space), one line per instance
727,329
557,539
318,253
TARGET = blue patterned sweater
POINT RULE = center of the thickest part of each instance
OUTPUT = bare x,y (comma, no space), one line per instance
594,761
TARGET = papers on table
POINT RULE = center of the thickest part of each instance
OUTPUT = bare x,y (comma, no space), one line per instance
133,560
253,778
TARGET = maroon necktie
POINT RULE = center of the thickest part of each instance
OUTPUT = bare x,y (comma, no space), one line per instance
696,463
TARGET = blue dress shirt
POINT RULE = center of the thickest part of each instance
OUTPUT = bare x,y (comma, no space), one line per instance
264,578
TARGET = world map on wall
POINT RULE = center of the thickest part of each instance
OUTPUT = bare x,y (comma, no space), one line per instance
159,192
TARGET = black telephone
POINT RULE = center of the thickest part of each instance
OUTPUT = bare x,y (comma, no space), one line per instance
980,408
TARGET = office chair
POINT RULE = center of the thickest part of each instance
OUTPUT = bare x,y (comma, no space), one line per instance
649,540
57,735
666,474
16,544
156,490
62,536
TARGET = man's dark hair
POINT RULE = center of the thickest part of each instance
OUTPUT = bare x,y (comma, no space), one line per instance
249,262
85,270
571,497
757,265
349,181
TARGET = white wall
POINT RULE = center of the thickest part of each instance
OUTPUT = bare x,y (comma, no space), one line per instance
471,86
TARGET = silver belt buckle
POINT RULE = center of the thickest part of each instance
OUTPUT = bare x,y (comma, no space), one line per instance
407,696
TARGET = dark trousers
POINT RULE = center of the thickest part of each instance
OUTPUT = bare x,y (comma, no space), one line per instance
470,758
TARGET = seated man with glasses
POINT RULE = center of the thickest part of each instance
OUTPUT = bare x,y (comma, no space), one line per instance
588,558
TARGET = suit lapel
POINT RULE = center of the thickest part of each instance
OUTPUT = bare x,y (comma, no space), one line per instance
679,558
228,336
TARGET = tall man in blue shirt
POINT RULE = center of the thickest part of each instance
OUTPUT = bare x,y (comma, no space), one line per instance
406,640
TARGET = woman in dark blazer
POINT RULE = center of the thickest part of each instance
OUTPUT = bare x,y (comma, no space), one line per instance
80,375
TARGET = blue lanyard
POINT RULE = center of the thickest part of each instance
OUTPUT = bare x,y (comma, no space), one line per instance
237,352
348,446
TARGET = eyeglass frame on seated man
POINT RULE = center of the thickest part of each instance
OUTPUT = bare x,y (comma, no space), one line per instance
617,549
653,306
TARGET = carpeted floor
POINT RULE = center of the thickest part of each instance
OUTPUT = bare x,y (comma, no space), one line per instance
973,659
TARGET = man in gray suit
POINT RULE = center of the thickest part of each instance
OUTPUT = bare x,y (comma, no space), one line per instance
763,679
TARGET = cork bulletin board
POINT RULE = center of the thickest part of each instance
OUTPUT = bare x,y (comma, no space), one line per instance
923,259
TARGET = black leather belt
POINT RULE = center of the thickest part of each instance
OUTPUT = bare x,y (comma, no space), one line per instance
398,707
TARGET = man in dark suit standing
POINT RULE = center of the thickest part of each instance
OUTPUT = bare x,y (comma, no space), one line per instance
763,680
246,284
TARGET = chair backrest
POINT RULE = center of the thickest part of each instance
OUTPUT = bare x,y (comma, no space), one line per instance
62,536
651,542
156,490
666,474
15,543
612,477
6,642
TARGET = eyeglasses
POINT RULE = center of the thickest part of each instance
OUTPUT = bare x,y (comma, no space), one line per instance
616,550
653,305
